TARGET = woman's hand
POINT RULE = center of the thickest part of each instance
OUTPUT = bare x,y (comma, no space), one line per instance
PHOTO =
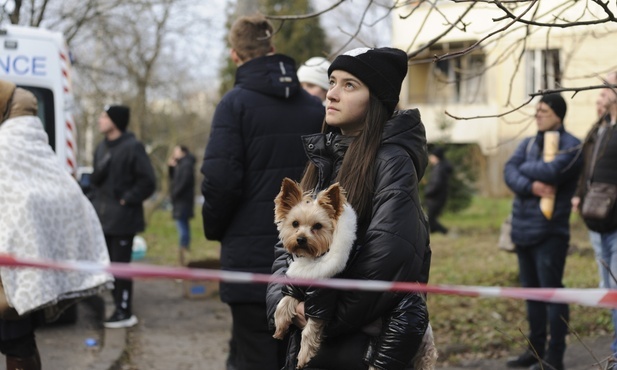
299,320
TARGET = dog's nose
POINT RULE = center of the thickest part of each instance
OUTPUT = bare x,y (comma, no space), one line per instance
301,240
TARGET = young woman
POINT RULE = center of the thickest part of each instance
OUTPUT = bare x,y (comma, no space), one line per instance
378,156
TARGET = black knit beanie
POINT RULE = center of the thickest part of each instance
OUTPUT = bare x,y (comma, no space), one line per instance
557,104
381,69
119,115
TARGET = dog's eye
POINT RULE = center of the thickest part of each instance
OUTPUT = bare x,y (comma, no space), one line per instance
317,226
295,224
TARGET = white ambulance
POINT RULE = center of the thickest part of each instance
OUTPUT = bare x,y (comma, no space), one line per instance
38,60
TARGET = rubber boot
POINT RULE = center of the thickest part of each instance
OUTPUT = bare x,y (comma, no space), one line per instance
24,363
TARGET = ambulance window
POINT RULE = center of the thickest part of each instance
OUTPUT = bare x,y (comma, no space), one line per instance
46,112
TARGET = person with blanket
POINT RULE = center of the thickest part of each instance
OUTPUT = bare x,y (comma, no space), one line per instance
44,215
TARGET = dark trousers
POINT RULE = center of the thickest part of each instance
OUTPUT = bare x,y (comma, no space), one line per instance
252,345
120,249
434,209
542,266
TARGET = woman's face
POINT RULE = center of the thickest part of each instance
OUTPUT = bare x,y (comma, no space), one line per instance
346,102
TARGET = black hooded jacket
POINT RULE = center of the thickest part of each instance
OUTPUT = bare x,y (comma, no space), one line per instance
182,189
393,247
122,171
254,144
436,190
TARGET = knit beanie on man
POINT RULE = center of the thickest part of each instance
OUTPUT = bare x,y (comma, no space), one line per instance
381,69
315,71
119,115
6,92
556,103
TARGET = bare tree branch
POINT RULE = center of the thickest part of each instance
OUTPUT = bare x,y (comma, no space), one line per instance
491,115
304,16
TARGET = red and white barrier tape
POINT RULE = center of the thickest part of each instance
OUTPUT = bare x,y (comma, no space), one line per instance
586,297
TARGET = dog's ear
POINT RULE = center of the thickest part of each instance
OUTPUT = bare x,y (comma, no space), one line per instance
287,198
332,199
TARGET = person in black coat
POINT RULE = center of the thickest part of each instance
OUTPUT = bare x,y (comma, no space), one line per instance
122,179
542,242
181,171
436,191
378,156
254,144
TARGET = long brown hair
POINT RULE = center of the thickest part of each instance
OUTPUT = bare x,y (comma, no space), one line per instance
357,171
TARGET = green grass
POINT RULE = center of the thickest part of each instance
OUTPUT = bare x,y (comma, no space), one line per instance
162,239
495,327
464,327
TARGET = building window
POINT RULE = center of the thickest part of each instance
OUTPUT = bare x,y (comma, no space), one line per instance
457,80
543,70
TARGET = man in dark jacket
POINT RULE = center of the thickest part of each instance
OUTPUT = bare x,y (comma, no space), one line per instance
541,241
254,143
600,157
122,179
436,190
182,191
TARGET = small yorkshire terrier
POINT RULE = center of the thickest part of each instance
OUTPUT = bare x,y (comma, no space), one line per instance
319,233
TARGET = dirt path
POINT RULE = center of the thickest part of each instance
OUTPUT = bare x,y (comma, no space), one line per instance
175,332
184,334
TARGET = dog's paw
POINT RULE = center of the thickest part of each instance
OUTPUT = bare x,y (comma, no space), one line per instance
304,356
283,316
303,359
282,326
308,349
280,332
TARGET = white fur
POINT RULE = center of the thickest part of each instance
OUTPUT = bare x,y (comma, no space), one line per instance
335,260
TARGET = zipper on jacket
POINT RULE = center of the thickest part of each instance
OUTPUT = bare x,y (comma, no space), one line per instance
329,138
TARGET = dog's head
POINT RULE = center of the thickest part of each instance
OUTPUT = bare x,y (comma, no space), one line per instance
306,225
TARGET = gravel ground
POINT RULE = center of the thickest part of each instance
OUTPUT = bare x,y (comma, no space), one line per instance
175,332
185,334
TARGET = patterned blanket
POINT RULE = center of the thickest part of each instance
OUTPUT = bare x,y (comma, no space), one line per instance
44,214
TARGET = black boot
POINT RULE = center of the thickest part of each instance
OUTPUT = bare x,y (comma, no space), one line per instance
527,359
24,363
549,363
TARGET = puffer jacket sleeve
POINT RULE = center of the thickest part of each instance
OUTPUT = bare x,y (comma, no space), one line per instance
274,291
563,168
223,169
394,247
145,180
515,179
401,335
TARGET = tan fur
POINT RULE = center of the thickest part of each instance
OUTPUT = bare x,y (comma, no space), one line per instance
311,339
306,229
292,205
426,358
285,312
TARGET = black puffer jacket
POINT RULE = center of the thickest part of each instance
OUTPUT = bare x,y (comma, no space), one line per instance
436,190
254,144
529,225
182,189
394,247
122,171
